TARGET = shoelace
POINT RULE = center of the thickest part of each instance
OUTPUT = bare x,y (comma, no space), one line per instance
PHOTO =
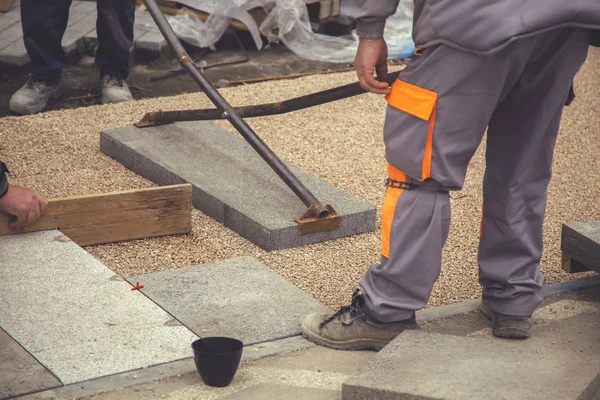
35,84
111,80
354,306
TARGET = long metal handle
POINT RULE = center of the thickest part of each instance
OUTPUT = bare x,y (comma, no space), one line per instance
260,110
230,114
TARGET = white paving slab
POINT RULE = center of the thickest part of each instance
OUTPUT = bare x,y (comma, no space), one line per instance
76,316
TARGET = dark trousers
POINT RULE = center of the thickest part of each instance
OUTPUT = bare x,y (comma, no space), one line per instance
44,24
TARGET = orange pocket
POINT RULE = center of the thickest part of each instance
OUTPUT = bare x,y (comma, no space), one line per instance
389,208
420,103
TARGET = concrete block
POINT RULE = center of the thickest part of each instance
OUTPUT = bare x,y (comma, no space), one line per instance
241,298
418,365
76,15
14,54
85,6
144,22
78,318
581,241
12,32
75,33
7,20
283,392
152,43
20,373
232,184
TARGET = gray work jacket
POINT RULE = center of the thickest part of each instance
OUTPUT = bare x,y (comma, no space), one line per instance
478,26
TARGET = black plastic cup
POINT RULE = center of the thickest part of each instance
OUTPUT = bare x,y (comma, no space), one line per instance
217,359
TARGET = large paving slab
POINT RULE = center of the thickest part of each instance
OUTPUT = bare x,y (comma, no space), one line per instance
581,242
75,316
20,373
420,365
240,298
283,392
232,184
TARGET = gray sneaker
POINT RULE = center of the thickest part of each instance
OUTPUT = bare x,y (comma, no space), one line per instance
114,90
34,95
507,326
351,329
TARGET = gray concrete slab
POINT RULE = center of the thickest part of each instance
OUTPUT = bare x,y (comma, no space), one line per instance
283,392
12,33
78,318
88,6
7,20
232,184
14,54
444,367
152,42
241,298
20,373
581,241
76,32
171,371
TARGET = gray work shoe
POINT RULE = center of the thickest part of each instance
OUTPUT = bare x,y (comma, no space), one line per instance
114,90
34,95
351,329
507,326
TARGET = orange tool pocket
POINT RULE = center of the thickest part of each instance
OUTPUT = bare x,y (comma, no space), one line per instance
388,209
420,103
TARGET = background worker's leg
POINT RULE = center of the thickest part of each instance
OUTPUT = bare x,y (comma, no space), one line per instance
115,36
44,24
520,146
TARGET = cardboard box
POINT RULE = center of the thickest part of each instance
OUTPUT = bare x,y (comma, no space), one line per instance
5,5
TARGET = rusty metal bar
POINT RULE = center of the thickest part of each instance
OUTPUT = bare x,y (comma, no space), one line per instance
318,209
261,110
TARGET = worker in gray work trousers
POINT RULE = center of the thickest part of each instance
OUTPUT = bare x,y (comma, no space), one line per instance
509,67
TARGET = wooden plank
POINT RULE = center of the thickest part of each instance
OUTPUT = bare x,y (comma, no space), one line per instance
571,265
581,241
114,217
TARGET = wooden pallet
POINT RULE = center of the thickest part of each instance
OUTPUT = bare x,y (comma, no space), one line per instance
114,217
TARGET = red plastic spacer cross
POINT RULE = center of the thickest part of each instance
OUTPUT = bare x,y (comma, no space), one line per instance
137,286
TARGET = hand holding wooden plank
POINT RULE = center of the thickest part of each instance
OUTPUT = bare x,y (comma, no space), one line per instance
115,217
24,205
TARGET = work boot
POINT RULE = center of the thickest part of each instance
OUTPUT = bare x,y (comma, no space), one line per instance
114,90
351,329
34,95
507,326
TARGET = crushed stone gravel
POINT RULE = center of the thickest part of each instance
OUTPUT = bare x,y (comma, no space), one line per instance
57,154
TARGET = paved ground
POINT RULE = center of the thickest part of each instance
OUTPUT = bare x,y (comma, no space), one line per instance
81,76
319,373
79,36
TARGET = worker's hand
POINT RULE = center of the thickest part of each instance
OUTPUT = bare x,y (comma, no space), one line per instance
24,204
371,58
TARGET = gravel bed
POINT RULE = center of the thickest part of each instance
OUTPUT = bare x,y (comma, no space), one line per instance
57,154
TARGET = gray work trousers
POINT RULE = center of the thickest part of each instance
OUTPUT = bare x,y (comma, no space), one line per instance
438,112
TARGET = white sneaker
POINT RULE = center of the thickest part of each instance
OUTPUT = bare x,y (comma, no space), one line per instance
114,90
34,95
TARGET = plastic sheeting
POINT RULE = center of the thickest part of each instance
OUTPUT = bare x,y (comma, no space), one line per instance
287,21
